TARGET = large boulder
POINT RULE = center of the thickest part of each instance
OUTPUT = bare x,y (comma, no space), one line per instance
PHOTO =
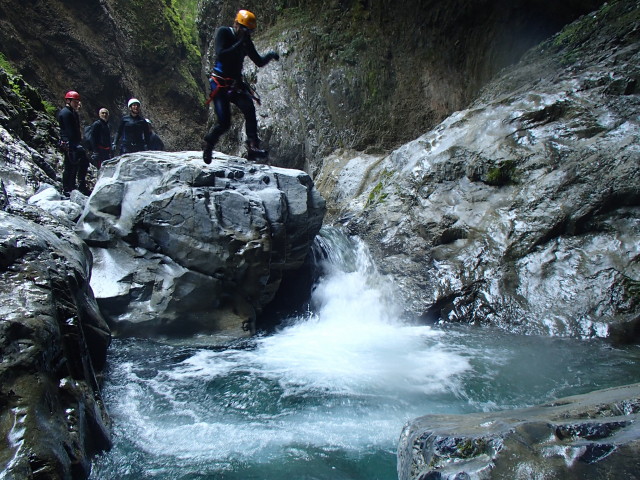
592,436
523,210
182,247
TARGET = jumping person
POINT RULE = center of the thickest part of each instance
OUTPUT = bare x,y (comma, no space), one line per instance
76,163
232,44
134,131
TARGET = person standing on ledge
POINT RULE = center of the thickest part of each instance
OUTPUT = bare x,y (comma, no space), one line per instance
76,163
134,131
232,44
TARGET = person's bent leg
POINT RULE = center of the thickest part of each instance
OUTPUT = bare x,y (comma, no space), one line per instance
223,114
245,104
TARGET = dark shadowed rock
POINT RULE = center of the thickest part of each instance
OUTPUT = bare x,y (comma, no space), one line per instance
53,341
181,247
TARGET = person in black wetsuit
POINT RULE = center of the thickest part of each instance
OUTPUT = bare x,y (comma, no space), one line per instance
232,45
76,163
101,139
155,142
134,131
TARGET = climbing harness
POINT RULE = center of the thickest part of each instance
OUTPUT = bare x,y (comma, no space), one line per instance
219,83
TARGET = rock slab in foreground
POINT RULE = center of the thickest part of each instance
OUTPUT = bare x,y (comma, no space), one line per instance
591,436
181,247
53,342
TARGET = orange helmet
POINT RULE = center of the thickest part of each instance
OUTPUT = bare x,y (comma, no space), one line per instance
246,19
72,95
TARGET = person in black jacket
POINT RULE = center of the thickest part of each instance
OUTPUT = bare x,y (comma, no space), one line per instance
76,163
155,142
133,131
232,45
101,139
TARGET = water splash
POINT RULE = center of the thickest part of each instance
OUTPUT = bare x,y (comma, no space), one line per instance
354,342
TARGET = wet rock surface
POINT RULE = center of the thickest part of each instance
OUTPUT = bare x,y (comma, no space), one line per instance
523,210
53,343
594,436
180,247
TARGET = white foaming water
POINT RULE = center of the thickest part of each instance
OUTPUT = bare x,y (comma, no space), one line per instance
347,377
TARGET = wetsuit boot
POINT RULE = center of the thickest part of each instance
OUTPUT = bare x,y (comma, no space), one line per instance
207,152
84,189
254,152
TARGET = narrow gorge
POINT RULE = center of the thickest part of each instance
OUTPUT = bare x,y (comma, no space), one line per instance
435,275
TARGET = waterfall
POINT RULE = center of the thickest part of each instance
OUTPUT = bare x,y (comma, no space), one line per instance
352,341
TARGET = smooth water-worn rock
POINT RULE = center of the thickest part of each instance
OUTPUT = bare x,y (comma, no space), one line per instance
182,247
594,436
53,342
53,338
524,209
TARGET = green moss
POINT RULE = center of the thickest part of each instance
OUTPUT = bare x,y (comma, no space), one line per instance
188,11
466,449
4,63
180,14
377,194
49,108
163,28
612,18
502,174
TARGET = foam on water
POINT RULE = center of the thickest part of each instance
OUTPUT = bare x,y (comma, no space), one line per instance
340,377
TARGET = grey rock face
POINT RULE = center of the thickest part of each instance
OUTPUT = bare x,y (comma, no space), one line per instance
594,436
181,247
372,76
53,340
523,210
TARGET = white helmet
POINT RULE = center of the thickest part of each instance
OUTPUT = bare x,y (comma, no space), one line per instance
132,101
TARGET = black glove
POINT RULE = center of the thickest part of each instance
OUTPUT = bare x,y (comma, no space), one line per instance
273,55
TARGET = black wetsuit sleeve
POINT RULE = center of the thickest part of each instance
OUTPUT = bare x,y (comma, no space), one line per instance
226,43
253,54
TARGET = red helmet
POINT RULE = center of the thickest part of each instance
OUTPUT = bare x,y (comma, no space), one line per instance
72,94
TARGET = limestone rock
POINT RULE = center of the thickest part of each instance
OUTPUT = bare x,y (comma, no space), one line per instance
523,210
182,247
